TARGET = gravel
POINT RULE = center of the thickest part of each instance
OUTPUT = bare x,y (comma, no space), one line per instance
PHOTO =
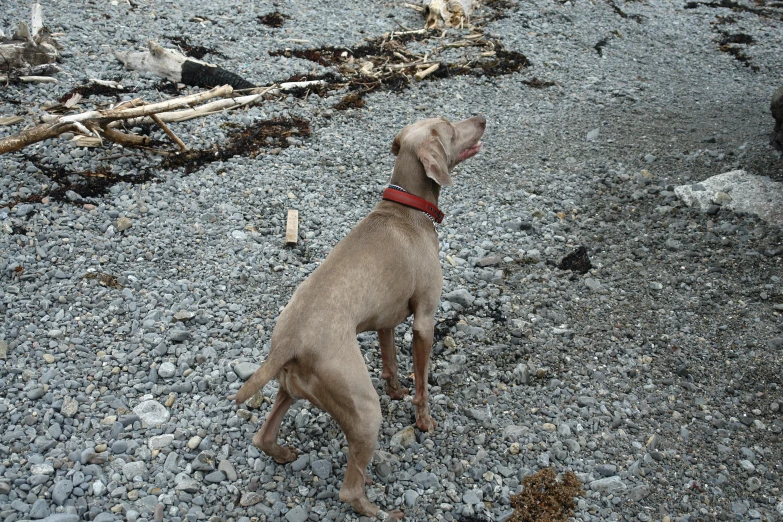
655,376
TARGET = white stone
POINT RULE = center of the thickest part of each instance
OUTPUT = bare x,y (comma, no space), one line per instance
160,441
152,413
737,190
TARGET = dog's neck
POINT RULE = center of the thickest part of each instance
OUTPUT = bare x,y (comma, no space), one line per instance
409,174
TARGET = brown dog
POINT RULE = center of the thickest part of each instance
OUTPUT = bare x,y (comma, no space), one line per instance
384,270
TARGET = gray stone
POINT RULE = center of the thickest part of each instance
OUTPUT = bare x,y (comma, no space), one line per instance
134,469
215,477
639,493
245,369
205,461
607,485
62,517
479,414
61,491
226,467
321,468
410,497
471,497
593,135
167,370
297,514
152,413
514,432
298,465
36,393
606,470
592,284
179,335
460,296
39,510
189,486
426,480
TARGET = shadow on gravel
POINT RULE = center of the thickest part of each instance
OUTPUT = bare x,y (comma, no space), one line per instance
249,141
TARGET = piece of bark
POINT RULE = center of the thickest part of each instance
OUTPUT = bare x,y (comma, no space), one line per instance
292,227
176,67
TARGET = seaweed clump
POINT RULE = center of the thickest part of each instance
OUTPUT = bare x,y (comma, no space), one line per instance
545,499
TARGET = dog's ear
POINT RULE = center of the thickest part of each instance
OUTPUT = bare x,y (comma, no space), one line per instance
436,164
396,144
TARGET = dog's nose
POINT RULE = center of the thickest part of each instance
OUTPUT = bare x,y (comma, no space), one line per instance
481,121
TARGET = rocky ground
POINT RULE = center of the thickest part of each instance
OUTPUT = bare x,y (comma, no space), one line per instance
656,376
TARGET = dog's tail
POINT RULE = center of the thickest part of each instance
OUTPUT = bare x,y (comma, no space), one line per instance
265,373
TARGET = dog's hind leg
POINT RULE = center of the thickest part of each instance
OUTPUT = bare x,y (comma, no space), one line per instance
390,365
347,393
266,438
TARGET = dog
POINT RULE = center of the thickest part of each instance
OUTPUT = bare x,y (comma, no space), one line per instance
384,270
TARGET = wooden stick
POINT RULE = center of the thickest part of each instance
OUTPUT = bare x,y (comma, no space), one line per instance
38,79
35,134
128,140
168,132
292,227
426,72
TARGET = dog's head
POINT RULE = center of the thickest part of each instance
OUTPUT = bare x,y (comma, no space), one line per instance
440,145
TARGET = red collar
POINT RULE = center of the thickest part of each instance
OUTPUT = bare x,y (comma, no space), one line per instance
409,200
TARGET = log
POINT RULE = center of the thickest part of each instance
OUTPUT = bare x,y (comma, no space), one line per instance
176,67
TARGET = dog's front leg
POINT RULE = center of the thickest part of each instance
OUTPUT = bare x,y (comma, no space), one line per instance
423,333
389,359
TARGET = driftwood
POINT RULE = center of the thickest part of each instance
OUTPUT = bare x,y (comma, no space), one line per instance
30,45
94,126
102,123
177,67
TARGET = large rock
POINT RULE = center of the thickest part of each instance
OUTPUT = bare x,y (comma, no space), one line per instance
738,191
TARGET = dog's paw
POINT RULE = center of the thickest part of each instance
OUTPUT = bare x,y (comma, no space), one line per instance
425,422
286,454
397,394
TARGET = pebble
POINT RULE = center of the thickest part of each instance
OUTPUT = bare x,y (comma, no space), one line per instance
167,370
404,437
